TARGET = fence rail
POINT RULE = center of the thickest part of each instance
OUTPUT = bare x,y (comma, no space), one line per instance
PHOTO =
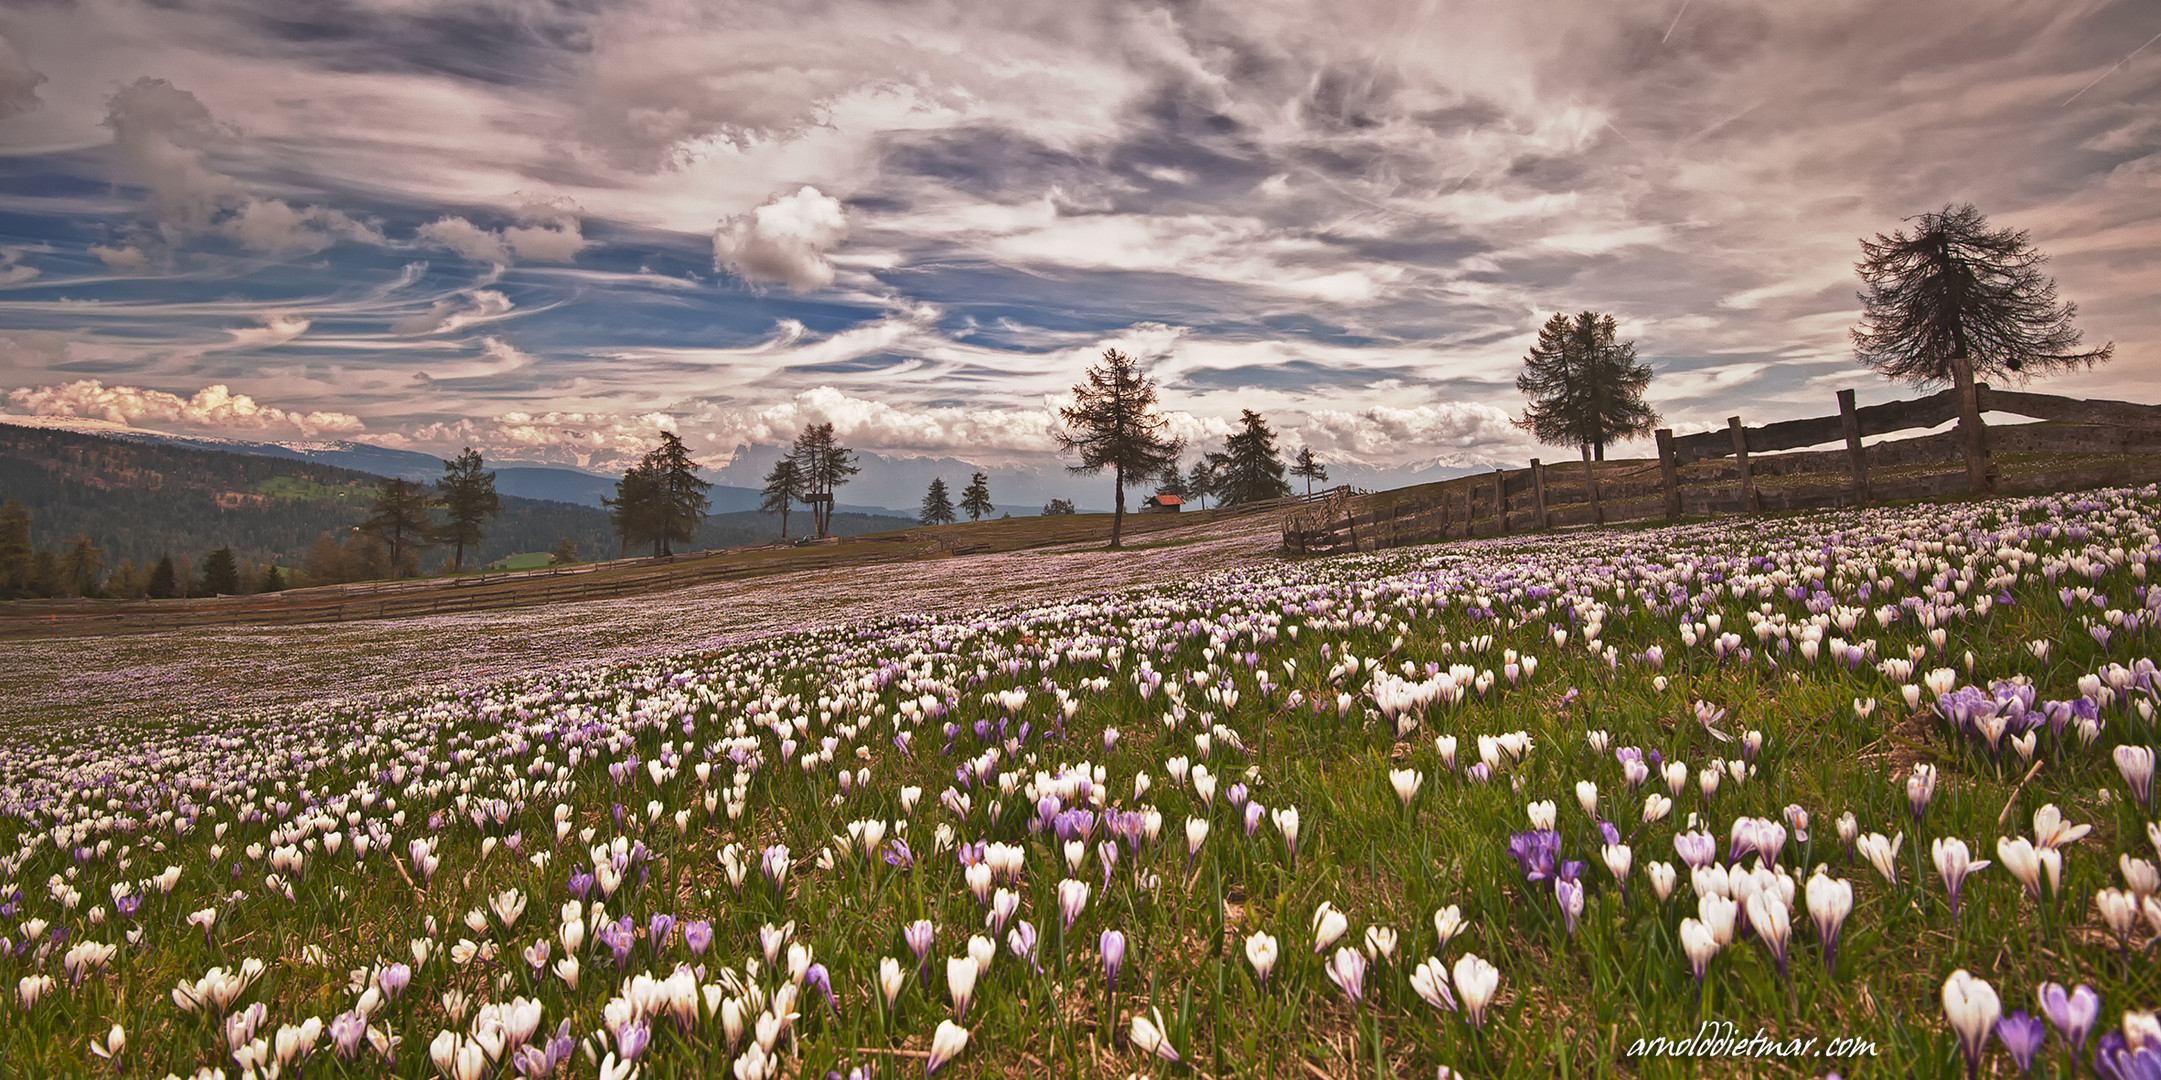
1719,471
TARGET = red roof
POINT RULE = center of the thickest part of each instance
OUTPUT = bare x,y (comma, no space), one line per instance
1166,500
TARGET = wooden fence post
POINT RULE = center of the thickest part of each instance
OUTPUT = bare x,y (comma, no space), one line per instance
1538,491
1500,500
1669,472
1590,487
1740,454
1851,420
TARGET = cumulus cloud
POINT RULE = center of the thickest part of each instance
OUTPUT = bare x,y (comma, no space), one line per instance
587,439
447,315
125,259
876,425
786,240
549,235
215,407
164,136
18,82
1390,435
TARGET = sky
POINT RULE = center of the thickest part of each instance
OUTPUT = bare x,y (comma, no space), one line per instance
551,229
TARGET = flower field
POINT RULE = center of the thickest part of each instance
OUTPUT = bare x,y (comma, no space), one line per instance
1874,788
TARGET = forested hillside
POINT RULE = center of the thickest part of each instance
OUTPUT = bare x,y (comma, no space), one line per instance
138,501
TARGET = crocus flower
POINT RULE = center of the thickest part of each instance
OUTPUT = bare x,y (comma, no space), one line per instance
1569,894
2018,856
1954,863
1328,925
1882,853
1700,945
1148,1037
1829,902
2021,1036
1347,969
945,1045
1113,947
2072,1014
1476,982
1447,923
1430,983
960,973
2137,765
1261,953
918,936
1021,940
1072,900
1920,789
1972,1007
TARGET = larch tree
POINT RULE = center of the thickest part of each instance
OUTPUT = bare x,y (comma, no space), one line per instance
1585,384
1113,424
783,489
975,498
1253,472
937,504
1305,466
467,495
1956,302
400,520
825,465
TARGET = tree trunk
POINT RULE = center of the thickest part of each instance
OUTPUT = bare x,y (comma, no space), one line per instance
1590,487
1973,437
1118,503
1598,452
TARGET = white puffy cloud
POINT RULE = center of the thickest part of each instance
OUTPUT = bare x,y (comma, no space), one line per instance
215,407
126,258
549,235
876,425
587,439
467,239
786,240
1390,435
447,315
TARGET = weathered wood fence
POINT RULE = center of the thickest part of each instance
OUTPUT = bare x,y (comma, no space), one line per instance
1724,471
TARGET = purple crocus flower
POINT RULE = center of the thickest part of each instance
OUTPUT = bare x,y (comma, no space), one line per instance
580,884
659,929
2073,1013
2021,1035
632,1038
2114,1059
347,1031
699,936
393,980
1113,946
897,854
816,977
1534,852
918,935
1255,812
1569,894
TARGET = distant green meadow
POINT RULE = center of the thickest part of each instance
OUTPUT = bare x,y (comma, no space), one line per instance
1865,792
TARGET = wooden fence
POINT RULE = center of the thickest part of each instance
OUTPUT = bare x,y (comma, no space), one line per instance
1749,469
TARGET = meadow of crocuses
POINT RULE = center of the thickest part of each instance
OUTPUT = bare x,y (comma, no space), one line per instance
1860,792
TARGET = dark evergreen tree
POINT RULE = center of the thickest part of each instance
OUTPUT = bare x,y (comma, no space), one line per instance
1113,423
975,498
45,577
399,519
1206,479
1174,483
783,489
825,465
273,580
635,512
221,573
1307,467
16,550
164,584
467,496
937,505
1057,506
683,502
1956,302
1253,472
1586,386
80,567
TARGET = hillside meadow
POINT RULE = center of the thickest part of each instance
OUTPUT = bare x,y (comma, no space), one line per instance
1866,792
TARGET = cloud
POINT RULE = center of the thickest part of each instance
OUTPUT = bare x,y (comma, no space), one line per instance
278,328
1390,435
18,82
214,407
585,439
467,239
125,259
163,135
786,240
876,425
448,315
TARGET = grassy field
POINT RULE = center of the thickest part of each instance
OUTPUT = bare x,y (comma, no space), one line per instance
1515,807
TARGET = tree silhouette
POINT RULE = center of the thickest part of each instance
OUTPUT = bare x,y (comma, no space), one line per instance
221,573
400,520
80,566
1586,387
975,498
1113,423
164,580
1207,477
1253,472
1058,506
1955,301
825,465
783,488
16,549
937,505
468,497
1306,467
659,500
